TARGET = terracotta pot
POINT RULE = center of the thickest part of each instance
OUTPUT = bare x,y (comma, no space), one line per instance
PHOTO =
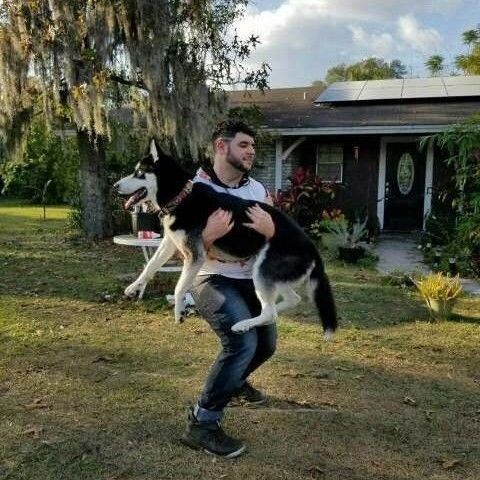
350,254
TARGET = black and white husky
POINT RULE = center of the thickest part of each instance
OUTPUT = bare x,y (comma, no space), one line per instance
282,262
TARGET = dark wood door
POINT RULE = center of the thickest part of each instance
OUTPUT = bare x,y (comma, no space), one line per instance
404,186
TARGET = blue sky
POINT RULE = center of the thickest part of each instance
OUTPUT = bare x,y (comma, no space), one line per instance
301,39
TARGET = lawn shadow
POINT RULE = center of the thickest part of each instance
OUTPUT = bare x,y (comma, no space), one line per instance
371,434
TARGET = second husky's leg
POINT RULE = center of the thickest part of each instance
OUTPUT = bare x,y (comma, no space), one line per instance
290,298
165,250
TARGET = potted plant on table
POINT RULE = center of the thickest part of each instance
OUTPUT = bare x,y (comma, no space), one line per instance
440,293
348,238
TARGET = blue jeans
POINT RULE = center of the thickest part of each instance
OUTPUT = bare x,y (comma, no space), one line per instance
224,301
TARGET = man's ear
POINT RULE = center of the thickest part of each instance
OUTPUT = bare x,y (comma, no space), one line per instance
153,150
220,145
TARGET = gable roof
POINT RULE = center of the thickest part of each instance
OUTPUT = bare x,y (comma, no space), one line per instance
292,111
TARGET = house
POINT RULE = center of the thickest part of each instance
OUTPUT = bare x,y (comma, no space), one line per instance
365,136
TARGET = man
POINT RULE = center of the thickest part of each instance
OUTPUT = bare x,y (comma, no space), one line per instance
224,294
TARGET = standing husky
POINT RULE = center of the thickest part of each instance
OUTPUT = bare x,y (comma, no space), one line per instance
283,261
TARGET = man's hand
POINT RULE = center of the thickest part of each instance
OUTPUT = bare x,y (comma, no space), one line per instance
219,223
261,221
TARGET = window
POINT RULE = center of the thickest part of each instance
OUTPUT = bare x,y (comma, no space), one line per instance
330,163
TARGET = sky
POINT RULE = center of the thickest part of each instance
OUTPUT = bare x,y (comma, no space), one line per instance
301,39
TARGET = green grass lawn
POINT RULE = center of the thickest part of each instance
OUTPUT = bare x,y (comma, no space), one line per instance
97,389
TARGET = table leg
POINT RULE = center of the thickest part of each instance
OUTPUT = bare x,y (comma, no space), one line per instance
146,254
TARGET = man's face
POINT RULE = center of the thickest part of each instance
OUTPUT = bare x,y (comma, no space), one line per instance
240,152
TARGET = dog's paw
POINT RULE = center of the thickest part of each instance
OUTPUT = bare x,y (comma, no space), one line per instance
242,327
136,289
180,312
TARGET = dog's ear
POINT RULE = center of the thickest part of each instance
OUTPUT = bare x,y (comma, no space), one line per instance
153,150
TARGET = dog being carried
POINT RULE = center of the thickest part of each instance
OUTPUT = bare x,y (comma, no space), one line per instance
280,263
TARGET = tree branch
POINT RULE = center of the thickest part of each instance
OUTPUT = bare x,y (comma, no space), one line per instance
124,81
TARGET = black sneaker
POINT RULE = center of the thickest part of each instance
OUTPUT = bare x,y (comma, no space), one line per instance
210,437
249,395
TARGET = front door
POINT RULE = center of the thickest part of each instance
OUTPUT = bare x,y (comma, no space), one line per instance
404,186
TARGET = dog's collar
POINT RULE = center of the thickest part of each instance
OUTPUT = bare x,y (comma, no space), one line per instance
176,201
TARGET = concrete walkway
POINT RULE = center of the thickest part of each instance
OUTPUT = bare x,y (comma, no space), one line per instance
399,252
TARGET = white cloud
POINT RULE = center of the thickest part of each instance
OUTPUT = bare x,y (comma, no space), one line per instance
380,45
424,40
301,39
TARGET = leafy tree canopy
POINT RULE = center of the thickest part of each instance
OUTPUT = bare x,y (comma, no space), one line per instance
371,68
79,59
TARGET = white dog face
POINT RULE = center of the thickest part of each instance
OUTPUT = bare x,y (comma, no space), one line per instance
141,185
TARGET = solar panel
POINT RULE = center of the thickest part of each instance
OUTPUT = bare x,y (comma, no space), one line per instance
397,89
380,93
341,95
436,91
393,82
422,82
458,80
463,90
348,85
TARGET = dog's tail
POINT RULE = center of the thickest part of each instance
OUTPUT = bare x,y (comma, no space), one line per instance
321,294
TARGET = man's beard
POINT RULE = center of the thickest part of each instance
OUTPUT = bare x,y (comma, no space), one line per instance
236,163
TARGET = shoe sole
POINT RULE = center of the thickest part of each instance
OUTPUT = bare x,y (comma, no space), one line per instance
234,454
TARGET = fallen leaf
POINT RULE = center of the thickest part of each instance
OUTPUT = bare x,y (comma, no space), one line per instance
428,414
103,358
37,403
315,471
320,375
448,464
34,431
293,374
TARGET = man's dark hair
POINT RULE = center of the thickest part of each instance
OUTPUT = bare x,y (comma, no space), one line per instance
229,128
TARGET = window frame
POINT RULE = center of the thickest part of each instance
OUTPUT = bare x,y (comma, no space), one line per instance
340,162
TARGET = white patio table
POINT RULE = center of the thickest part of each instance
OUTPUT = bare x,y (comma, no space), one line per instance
148,247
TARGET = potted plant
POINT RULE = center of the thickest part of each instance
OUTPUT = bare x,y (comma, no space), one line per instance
440,293
348,238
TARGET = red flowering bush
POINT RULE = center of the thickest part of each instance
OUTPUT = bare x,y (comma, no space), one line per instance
307,196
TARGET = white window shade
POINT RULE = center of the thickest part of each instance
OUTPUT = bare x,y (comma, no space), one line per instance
330,163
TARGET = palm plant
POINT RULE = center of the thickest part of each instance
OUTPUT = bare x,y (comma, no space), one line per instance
434,64
348,236
469,37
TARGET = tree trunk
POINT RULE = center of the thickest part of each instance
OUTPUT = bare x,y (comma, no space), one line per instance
95,192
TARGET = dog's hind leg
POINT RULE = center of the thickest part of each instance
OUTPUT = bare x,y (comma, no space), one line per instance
290,299
266,293
165,250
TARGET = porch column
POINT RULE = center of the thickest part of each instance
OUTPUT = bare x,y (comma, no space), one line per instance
281,156
278,164
427,198
381,182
